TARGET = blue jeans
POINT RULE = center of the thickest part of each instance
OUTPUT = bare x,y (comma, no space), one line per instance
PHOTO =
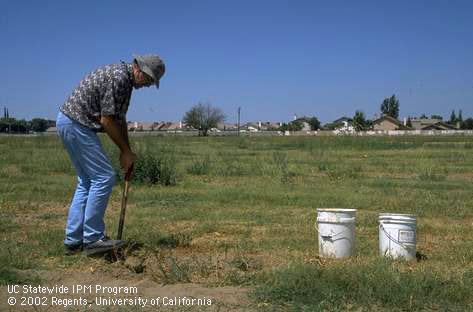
96,178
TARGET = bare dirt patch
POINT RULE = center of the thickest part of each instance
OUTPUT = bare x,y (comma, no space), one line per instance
103,286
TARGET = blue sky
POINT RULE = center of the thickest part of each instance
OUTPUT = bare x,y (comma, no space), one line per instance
273,58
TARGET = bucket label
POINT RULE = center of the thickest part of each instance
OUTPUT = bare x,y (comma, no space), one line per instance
407,236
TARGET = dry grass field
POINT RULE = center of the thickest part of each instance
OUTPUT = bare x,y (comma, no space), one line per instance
232,219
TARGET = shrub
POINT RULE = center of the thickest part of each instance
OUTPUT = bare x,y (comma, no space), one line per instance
154,168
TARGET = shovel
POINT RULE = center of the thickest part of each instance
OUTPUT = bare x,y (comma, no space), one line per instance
124,199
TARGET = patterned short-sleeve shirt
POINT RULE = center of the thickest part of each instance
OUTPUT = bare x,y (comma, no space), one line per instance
104,92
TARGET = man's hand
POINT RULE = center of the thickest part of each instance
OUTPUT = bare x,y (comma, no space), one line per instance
127,160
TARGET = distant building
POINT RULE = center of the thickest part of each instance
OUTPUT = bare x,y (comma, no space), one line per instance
386,123
268,125
431,124
343,124
227,127
172,126
305,123
420,123
341,120
142,126
346,127
439,126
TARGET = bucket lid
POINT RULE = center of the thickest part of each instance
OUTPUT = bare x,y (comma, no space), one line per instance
397,215
336,209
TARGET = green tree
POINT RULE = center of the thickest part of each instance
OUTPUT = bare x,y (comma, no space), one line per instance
359,121
467,124
453,117
203,117
314,123
4,125
12,125
390,106
460,116
6,115
19,125
295,125
39,125
409,122
436,117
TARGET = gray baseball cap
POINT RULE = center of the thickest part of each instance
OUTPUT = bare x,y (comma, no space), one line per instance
151,65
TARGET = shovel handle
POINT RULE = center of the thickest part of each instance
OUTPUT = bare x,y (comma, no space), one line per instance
129,173
121,222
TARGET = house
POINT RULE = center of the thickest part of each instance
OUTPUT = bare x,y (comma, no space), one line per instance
149,126
431,124
439,126
251,127
305,123
346,127
132,125
273,126
341,120
386,123
269,126
227,127
173,126
341,123
420,123
142,126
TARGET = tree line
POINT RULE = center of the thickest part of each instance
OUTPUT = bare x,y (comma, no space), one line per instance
12,125
204,117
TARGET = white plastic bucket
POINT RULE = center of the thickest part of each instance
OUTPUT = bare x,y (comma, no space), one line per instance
397,235
336,230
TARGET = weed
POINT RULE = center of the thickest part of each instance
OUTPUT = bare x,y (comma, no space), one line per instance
431,174
281,162
175,240
152,169
174,272
200,167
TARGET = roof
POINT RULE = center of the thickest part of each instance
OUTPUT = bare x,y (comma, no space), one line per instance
340,120
439,126
420,123
391,120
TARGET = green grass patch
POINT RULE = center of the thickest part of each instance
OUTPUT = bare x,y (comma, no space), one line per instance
378,285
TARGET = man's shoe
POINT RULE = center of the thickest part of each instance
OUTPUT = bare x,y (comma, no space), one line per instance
72,249
103,245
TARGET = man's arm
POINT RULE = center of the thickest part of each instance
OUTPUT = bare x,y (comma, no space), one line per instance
124,130
115,132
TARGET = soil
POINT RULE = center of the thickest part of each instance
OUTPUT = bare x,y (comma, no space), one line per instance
174,297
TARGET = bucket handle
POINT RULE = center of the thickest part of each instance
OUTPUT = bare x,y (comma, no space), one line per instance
337,220
395,240
327,236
